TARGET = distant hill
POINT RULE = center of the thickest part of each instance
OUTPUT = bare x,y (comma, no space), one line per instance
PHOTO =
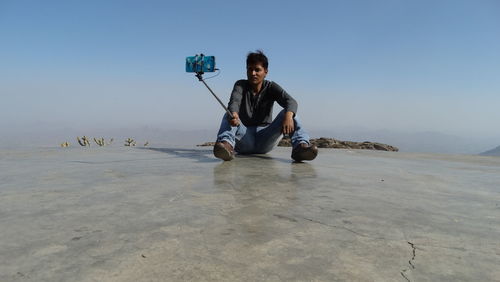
492,152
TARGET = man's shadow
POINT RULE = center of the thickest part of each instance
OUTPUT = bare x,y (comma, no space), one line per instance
199,155
206,155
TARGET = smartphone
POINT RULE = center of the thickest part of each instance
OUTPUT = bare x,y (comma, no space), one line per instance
200,63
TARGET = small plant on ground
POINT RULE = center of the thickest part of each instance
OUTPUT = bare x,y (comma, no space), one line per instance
84,141
129,142
100,141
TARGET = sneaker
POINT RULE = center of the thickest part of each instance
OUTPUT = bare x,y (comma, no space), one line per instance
223,150
304,152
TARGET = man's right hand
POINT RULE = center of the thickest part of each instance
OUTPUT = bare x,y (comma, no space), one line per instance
235,121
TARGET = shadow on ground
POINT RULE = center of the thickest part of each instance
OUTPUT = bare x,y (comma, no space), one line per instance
203,156
206,156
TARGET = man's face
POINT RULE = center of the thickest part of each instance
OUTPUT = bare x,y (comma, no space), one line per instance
256,73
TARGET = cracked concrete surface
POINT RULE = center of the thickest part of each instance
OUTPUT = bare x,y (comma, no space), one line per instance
410,262
178,214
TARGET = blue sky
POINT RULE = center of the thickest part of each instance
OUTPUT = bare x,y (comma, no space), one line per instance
395,65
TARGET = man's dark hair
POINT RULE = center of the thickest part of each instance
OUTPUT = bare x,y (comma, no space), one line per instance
257,57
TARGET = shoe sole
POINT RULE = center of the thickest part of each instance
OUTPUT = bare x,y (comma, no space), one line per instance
308,155
221,153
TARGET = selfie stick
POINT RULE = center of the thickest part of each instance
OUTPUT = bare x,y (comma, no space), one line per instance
199,75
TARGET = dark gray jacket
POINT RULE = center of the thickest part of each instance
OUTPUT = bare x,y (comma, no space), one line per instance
258,110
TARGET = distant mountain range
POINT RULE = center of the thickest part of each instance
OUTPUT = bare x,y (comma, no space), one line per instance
492,152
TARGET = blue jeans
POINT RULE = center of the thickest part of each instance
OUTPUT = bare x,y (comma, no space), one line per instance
259,139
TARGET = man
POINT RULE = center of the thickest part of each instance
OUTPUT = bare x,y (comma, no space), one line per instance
251,129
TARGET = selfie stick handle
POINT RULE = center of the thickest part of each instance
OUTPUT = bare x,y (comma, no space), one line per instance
200,78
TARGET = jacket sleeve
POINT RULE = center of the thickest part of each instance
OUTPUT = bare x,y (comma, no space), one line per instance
283,98
236,96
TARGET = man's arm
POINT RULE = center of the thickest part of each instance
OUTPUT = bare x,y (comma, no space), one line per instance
287,125
236,96
235,102
283,98
290,106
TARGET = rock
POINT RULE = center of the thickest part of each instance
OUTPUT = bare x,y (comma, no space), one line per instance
206,144
324,142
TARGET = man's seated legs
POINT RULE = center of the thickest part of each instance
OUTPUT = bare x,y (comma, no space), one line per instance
261,140
268,137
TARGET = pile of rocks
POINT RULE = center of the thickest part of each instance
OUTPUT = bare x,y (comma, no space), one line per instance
324,142
334,143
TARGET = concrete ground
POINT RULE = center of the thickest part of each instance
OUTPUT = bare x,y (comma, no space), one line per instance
179,214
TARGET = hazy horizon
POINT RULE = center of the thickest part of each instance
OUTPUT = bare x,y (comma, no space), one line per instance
52,135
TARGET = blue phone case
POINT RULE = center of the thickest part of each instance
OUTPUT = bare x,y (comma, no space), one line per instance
200,63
